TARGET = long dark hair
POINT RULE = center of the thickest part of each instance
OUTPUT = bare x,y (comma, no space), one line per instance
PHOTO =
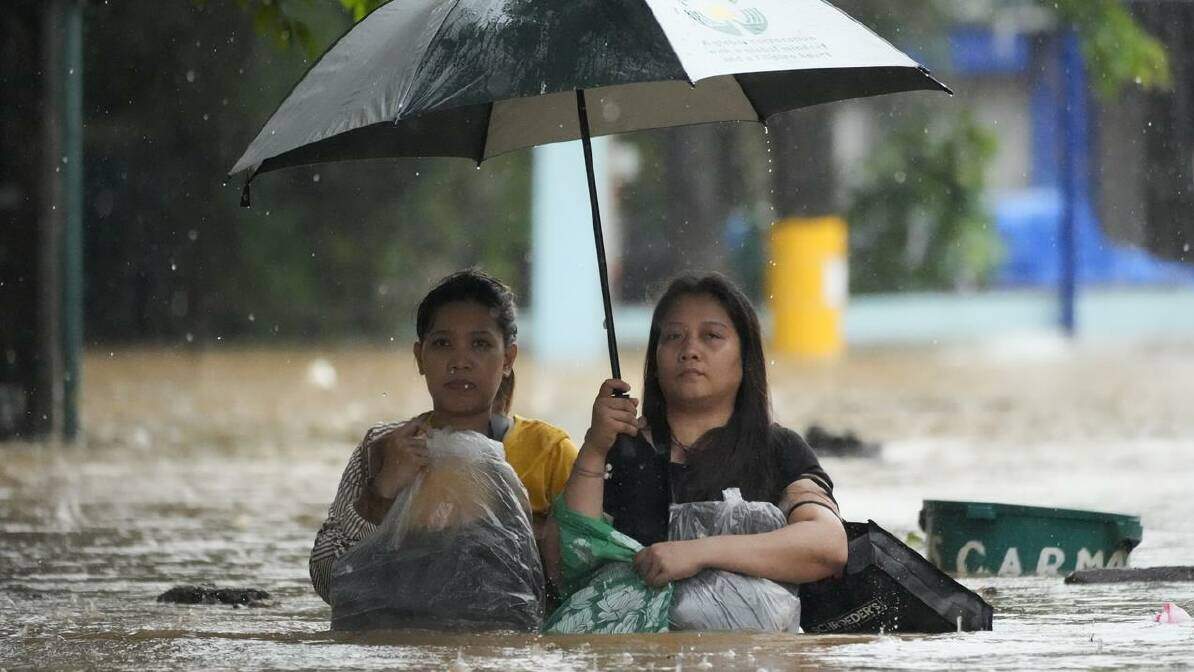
738,454
481,288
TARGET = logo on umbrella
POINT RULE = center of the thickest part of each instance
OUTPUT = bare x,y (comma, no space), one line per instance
725,16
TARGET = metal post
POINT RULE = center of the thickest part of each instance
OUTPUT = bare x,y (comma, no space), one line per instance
72,233
1073,167
46,394
586,143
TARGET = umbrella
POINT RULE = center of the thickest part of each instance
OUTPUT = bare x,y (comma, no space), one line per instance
479,78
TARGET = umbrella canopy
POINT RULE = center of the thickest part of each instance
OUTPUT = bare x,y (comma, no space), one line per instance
478,78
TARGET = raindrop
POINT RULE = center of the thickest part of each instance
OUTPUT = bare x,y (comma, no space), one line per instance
193,235
173,266
252,317
65,159
766,130
190,337
206,116
190,75
1186,247
315,177
416,173
321,374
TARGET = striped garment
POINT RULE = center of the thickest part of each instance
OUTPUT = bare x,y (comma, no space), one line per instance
344,527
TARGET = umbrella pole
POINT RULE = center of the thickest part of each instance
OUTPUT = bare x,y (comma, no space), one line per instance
610,336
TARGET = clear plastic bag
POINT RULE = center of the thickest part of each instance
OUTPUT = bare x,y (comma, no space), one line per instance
455,552
719,600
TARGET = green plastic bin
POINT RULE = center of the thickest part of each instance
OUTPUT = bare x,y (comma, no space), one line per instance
988,539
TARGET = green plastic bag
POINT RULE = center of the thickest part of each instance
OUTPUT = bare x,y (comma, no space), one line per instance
603,594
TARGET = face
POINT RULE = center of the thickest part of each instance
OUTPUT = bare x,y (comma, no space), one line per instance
699,356
464,358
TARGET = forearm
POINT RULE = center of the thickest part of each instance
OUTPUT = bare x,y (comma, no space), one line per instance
585,491
808,550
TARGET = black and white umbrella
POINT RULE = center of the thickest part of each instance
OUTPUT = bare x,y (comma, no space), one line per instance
479,78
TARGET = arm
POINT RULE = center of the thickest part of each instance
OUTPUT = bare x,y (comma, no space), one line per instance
390,454
585,490
812,546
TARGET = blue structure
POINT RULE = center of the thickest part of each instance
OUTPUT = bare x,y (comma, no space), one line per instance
1029,225
1051,231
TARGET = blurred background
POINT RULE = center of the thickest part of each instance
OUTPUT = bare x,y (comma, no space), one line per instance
997,287
1050,195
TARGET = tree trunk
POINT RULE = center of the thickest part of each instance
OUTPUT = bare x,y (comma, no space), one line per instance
1168,177
804,178
697,187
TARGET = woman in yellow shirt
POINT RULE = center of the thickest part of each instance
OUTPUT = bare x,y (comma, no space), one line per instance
465,350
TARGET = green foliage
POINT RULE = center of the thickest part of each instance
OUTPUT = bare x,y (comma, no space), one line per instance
1117,48
918,221
361,8
287,23
275,20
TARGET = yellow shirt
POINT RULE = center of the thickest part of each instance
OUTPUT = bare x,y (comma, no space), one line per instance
542,456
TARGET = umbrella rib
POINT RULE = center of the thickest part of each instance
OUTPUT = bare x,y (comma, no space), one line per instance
485,134
419,67
761,117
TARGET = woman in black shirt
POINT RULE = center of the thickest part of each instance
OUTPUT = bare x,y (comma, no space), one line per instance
705,427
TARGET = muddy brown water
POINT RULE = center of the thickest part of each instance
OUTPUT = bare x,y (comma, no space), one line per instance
218,465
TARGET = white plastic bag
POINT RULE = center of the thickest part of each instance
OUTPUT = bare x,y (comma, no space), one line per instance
455,552
715,599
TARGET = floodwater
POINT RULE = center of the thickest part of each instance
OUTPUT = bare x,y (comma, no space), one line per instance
218,465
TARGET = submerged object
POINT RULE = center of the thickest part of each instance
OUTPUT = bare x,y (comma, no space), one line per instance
715,599
984,538
208,594
826,444
888,587
455,551
1172,614
1132,575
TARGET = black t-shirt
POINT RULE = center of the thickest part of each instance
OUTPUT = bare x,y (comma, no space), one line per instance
643,481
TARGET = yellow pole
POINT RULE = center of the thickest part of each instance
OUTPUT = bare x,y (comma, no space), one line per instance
808,285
